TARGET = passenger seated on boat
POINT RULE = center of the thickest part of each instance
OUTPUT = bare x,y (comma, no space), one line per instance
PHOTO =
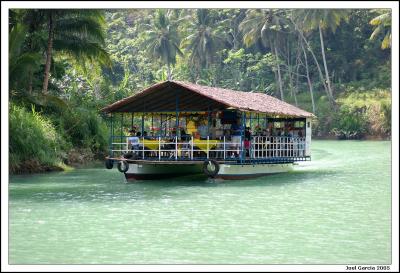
169,146
288,132
185,146
257,131
134,141
132,134
145,135
278,132
184,135
227,134
203,130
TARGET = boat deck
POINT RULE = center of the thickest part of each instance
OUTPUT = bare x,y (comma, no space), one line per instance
185,161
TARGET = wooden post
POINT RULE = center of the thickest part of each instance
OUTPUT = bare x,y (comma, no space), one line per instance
208,147
307,140
159,148
176,112
111,136
143,147
161,125
243,154
142,124
208,120
191,147
122,127
250,150
224,148
176,147
152,127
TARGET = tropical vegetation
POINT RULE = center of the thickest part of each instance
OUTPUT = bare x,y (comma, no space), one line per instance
64,65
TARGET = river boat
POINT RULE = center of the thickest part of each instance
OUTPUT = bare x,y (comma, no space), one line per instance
176,128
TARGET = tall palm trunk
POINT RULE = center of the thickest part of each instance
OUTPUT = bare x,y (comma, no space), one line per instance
296,89
328,81
321,76
168,71
291,85
279,72
290,73
30,72
48,54
30,82
275,72
310,86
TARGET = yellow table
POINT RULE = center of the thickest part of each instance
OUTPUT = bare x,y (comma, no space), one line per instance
202,144
151,144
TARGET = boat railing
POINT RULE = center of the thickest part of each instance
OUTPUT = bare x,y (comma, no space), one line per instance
277,146
174,148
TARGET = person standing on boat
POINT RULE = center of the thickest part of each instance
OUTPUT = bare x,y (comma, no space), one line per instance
236,133
247,139
203,130
133,140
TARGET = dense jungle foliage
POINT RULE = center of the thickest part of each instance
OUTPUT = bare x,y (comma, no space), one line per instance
64,65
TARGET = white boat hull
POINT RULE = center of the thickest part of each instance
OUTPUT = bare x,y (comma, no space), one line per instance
237,171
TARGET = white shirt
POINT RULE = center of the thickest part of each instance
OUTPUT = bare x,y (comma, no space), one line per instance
133,140
203,131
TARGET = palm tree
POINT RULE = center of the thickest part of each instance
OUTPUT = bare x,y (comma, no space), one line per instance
264,25
24,48
78,33
382,24
203,40
323,19
310,86
162,40
22,63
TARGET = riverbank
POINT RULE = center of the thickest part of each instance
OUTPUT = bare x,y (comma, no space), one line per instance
43,142
33,167
74,159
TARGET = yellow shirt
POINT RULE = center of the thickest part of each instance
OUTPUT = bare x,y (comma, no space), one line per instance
190,127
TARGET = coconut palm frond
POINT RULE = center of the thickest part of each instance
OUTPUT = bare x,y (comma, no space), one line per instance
382,23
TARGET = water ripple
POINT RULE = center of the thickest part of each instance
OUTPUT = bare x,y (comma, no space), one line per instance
334,209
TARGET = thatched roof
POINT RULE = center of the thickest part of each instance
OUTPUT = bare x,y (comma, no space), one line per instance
169,95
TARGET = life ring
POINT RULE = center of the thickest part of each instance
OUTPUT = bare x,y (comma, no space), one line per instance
210,167
109,163
123,166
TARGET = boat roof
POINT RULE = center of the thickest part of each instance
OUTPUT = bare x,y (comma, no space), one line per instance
171,96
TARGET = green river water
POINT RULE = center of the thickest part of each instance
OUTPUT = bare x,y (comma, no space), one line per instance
335,209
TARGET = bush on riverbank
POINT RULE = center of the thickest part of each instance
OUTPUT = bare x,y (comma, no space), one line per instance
363,113
34,140
83,129
359,113
42,142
